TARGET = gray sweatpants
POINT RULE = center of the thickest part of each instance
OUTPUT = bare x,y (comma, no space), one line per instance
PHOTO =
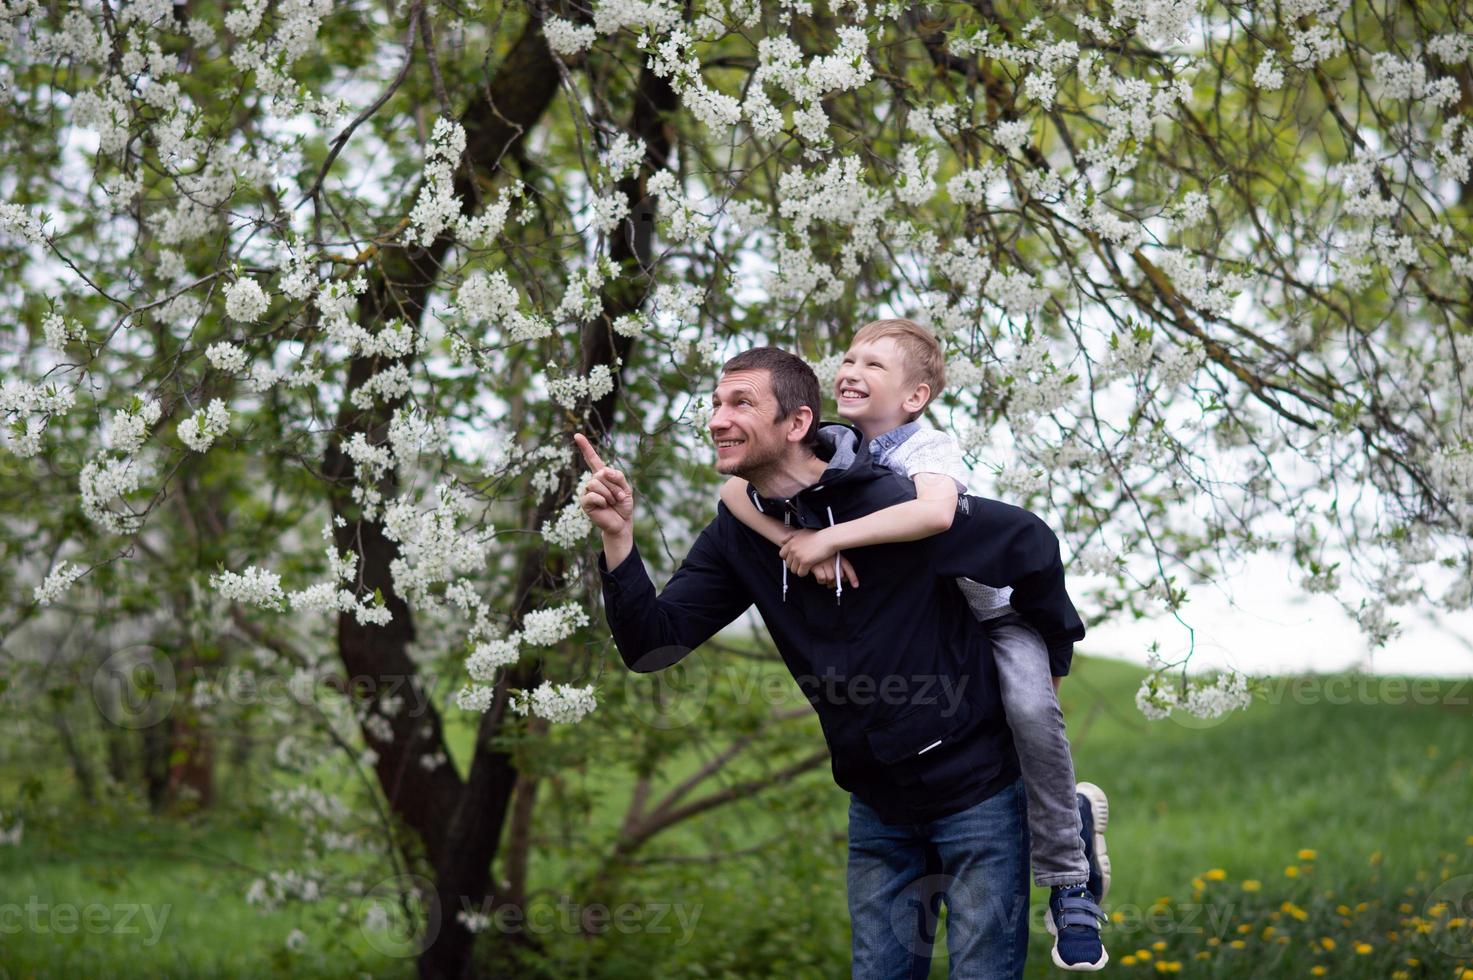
1043,750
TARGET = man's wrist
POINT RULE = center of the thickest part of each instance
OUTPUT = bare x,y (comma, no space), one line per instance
618,547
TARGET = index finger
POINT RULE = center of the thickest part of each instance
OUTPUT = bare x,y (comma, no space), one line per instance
589,455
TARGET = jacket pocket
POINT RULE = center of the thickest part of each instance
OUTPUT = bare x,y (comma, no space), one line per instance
904,741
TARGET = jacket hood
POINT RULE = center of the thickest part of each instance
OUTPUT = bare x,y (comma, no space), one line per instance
846,450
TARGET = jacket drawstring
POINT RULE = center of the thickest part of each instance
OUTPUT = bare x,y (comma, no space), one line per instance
786,523
838,578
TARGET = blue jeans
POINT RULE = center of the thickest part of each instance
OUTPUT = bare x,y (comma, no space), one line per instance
898,875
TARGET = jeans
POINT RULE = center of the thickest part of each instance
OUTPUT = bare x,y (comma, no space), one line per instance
976,859
1032,709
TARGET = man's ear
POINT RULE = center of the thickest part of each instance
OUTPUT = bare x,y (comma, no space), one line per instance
918,398
798,423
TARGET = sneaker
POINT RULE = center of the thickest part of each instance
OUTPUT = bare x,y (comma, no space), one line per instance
1075,918
1094,814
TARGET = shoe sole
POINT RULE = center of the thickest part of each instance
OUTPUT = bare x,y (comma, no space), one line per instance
1080,967
1099,807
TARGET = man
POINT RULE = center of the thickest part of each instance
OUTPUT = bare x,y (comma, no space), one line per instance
903,682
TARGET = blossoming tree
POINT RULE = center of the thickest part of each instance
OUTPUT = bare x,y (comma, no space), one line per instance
305,301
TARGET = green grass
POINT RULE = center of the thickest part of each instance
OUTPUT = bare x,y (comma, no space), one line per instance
1379,791
108,892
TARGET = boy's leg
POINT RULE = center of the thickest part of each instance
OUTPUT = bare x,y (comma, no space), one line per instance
892,913
1037,724
984,874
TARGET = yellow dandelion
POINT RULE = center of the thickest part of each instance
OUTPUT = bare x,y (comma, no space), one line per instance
1214,941
1317,971
1237,944
1413,961
1342,909
1400,975
1327,943
1292,871
1375,858
1469,841
1282,940
1216,874
1252,885
1467,974
1361,949
1203,954
1127,960
1245,928
1198,884
1437,910
1404,908
1168,966
1159,945
1308,854
1143,954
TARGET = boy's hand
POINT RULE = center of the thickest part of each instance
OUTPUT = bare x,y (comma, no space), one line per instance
823,573
607,498
805,549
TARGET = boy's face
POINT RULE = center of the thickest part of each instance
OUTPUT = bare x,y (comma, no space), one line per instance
871,387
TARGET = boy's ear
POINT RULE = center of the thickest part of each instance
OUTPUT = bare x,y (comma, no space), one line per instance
918,398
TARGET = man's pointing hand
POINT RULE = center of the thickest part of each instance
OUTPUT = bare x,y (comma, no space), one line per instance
606,498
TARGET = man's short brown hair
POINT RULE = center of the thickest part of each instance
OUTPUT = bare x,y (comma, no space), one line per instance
793,383
921,351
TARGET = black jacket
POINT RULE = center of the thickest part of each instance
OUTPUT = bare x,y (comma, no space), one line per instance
900,673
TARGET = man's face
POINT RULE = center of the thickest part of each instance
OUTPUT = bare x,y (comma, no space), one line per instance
749,435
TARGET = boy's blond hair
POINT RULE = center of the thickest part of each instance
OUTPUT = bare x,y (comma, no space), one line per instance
919,349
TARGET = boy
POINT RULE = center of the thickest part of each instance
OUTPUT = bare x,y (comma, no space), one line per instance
890,372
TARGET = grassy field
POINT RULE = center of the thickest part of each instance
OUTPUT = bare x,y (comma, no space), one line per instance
1325,831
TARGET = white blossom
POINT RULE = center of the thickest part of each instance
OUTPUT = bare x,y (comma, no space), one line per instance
570,529
254,587
58,582
60,331
562,704
608,210
1268,75
623,157
566,38
245,301
105,480
473,921
226,357
17,220
201,429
